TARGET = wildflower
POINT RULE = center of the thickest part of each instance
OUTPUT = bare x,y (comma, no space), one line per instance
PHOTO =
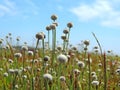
48,77
53,26
93,73
95,83
54,17
48,28
40,35
81,64
1,41
69,25
118,71
24,48
46,58
62,58
16,86
5,74
65,31
10,61
30,53
7,47
1,69
18,55
11,71
76,71
59,48
63,37
24,76
62,78
55,23
86,42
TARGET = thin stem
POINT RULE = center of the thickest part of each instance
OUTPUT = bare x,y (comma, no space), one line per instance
105,76
68,40
89,71
48,40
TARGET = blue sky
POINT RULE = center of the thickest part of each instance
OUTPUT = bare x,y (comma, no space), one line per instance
25,18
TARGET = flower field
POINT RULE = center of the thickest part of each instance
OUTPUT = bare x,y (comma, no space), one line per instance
57,67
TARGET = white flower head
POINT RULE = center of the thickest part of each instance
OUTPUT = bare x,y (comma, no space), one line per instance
5,74
24,48
81,64
30,53
18,55
48,76
62,78
95,83
62,58
118,71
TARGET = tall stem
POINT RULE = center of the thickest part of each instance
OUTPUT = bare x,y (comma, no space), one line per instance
105,77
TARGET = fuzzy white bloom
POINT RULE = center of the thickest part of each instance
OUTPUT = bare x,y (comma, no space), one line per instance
10,61
76,71
81,64
18,55
46,58
93,73
118,71
62,58
11,71
1,69
30,53
25,48
16,86
95,83
48,76
24,76
5,74
62,78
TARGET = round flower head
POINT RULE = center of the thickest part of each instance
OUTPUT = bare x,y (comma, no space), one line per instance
5,74
11,71
10,61
76,71
54,17
48,28
94,77
118,71
40,35
86,42
46,58
59,47
63,37
18,55
1,41
24,48
65,31
30,53
48,77
93,73
69,25
81,64
62,78
95,83
53,26
62,58
55,23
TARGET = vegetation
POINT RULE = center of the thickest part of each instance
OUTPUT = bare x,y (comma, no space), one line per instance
60,67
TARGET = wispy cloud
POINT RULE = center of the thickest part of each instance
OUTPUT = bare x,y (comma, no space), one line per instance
7,8
103,10
21,8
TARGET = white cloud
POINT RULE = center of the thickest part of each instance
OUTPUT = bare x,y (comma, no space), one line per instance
7,8
104,10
